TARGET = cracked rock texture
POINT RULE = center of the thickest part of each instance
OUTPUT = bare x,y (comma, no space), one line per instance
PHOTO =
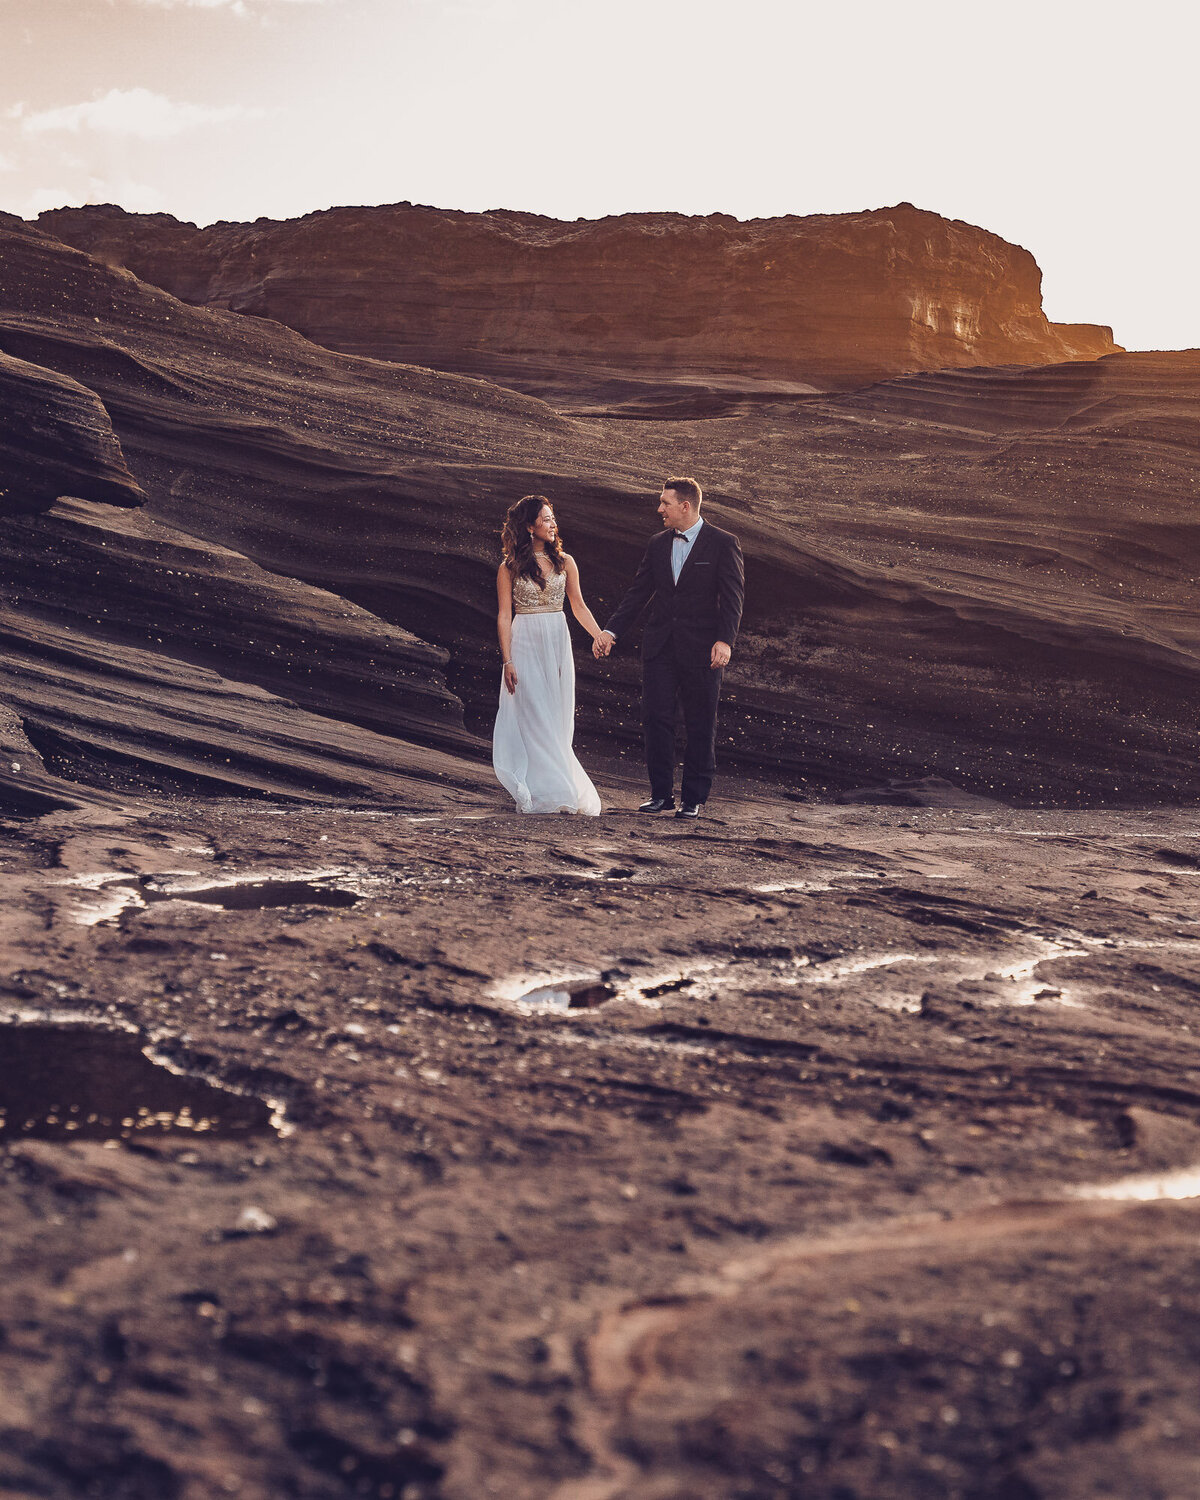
805,1207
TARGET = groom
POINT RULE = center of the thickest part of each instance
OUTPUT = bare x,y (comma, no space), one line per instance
693,579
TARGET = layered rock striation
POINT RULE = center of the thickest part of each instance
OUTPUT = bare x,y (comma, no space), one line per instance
137,656
56,439
832,300
137,652
982,575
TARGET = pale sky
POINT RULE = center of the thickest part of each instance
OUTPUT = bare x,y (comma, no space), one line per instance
1067,126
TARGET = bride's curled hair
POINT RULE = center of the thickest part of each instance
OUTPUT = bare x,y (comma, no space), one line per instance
518,543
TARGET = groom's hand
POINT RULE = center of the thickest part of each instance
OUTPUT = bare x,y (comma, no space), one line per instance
603,644
720,655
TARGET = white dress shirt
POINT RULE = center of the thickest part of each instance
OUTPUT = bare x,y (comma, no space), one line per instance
681,548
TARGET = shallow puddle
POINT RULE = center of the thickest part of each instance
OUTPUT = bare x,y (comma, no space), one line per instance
1153,1187
777,887
115,892
62,1083
580,995
531,994
254,895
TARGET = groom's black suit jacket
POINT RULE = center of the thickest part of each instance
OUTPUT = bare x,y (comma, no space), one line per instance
703,607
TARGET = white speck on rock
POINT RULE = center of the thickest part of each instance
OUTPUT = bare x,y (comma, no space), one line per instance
255,1220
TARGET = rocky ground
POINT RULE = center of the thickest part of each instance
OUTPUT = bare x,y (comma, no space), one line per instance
813,1150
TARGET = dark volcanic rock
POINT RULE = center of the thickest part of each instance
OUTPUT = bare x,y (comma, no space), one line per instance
834,300
847,1191
56,439
138,654
984,575
27,787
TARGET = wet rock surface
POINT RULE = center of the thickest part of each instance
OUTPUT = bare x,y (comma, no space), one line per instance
865,1167
64,1083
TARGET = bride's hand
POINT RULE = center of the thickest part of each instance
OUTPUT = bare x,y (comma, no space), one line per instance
510,677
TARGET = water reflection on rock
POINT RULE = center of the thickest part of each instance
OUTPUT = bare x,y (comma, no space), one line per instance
81,1083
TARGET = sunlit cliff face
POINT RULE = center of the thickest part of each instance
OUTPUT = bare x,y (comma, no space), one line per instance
849,299
957,319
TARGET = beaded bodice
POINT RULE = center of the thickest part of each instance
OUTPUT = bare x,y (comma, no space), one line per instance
528,599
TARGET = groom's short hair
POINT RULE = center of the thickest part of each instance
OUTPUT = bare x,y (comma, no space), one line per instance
686,489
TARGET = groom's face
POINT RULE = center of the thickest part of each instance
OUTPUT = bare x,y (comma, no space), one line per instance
674,511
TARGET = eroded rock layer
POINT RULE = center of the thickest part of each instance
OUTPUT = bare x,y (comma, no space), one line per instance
137,655
836,300
986,576
56,439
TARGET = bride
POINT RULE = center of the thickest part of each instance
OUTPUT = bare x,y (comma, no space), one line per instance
531,746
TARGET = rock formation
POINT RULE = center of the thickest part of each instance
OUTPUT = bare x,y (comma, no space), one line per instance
135,655
56,439
833,300
985,575
418,1149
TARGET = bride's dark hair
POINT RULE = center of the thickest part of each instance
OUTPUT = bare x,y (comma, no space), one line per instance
518,543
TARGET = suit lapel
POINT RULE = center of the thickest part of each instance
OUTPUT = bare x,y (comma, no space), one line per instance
666,549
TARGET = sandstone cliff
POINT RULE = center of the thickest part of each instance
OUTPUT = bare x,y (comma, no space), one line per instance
831,301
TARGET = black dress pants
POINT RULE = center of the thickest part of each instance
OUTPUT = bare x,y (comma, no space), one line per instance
679,675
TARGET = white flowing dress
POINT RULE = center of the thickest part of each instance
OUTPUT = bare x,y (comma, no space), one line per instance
532,744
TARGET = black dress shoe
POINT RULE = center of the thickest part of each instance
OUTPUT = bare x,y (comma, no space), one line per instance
658,804
689,810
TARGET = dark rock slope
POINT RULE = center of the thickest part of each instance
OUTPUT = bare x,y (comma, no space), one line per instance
986,575
137,653
138,656
834,300
56,439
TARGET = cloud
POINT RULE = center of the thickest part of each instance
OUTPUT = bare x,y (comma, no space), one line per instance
133,112
6,165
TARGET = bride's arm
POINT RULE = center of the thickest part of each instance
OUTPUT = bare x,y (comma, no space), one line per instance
578,608
504,624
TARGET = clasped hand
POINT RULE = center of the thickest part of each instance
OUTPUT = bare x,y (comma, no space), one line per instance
603,644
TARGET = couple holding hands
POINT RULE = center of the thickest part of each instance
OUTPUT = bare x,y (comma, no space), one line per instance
691,577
